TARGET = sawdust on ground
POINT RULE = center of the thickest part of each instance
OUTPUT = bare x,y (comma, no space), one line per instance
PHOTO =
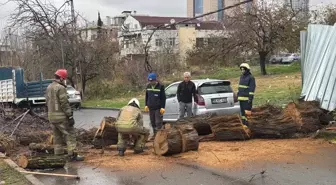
212,154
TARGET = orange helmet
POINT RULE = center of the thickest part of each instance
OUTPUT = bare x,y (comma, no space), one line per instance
62,73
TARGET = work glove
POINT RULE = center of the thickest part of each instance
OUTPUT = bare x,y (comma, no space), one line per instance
71,121
162,110
146,109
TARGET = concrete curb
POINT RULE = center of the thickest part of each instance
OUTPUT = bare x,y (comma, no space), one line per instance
33,180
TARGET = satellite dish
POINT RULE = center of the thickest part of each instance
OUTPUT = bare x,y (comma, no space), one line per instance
172,21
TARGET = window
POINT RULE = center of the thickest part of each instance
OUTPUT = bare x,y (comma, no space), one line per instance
214,88
199,42
158,42
126,43
171,91
171,41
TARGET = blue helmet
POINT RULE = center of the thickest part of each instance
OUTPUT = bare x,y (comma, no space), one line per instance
151,76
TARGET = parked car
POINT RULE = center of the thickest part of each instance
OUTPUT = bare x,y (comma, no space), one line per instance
274,59
213,96
74,96
290,57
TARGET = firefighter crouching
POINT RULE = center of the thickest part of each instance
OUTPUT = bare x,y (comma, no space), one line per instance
246,90
130,122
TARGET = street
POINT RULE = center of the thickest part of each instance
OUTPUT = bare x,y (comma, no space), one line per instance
308,169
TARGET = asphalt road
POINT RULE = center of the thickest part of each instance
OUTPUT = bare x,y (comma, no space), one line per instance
312,169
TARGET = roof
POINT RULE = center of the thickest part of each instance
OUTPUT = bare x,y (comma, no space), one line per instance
200,81
318,64
157,21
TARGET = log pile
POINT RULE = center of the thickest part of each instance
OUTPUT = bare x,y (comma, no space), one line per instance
176,139
265,122
107,134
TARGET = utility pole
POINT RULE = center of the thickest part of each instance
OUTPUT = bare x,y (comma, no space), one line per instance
10,46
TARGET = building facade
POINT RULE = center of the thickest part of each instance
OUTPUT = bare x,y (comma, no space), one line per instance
177,38
199,7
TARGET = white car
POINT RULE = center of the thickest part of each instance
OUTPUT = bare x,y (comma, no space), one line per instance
74,96
289,58
214,96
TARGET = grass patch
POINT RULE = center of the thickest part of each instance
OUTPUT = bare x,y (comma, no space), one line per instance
11,176
282,85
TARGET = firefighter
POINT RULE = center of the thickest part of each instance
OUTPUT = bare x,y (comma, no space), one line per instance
155,102
60,115
246,90
130,122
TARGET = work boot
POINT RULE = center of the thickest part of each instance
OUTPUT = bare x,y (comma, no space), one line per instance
121,153
139,151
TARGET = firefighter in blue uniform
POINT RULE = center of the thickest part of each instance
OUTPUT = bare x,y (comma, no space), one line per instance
246,90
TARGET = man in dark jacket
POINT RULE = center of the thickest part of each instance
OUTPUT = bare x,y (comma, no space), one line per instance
155,102
185,92
246,90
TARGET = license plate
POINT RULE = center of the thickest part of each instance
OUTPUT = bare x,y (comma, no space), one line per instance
218,100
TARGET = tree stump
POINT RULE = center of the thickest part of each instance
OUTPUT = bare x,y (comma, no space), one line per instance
41,162
107,134
177,139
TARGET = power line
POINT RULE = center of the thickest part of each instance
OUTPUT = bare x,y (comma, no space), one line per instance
193,18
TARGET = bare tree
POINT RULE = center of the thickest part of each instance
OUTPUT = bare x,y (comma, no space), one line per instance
57,40
262,28
325,15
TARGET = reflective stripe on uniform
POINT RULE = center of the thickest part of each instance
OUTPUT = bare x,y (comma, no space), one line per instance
241,98
244,118
155,90
243,86
251,93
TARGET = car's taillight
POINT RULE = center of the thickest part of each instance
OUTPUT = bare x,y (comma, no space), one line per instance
235,97
200,100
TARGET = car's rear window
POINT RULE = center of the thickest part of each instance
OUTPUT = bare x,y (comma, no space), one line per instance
214,88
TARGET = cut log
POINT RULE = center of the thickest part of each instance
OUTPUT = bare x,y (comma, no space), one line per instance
107,134
41,162
177,139
306,115
227,128
269,122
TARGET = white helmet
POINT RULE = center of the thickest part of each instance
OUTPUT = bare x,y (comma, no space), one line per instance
245,65
136,101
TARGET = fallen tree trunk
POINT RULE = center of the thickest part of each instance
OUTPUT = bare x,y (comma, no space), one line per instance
41,162
270,122
41,147
306,115
107,134
174,140
227,128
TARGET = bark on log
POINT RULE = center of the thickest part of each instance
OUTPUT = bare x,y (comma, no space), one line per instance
306,115
41,162
177,139
270,122
227,128
107,134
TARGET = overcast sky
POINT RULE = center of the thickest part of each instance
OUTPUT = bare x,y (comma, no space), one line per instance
89,8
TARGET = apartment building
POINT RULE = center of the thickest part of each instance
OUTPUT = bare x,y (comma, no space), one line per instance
199,7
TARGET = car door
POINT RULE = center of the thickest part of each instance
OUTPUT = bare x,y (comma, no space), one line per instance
172,106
